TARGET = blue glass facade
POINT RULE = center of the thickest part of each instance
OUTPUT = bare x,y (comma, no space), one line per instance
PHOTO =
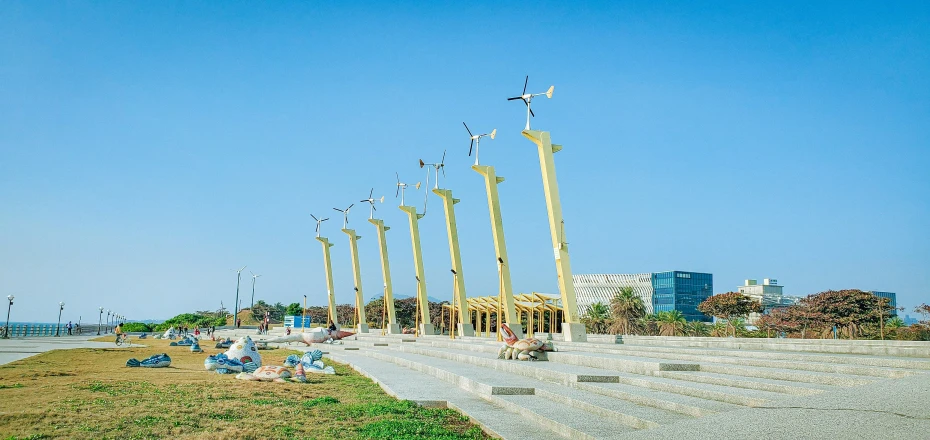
893,302
682,291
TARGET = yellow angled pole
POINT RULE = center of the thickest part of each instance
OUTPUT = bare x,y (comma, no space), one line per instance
572,328
464,327
423,323
505,295
392,328
328,265
362,324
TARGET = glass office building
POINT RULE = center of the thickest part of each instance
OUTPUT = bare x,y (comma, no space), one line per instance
682,291
660,291
893,302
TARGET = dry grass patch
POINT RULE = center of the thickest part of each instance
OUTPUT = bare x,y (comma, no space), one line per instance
89,393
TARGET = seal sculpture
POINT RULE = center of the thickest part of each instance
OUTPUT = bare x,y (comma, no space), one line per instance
224,365
315,336
520,349
155,361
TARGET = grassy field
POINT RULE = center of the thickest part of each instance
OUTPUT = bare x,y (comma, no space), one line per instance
90,394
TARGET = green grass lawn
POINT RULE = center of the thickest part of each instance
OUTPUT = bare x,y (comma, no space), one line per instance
90,394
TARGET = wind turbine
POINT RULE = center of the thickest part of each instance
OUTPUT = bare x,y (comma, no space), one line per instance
318,222
238,278
345,215
253,289
476,140
402,188
527,98
437,166
371,201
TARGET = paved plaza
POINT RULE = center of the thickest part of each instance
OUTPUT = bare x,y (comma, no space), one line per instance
647,388
682,388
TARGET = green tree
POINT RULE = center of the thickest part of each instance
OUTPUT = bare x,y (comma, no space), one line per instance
626,308
671,323
848,309
597,318
730,305
294,309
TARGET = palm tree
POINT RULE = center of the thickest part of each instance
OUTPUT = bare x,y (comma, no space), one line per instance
626,308
648,325
596,318
671,323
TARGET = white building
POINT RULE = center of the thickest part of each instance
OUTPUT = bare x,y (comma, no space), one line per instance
769,293
592,288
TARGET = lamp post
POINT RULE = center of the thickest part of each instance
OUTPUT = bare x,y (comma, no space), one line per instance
99,321
6,330
61,308
253,288
108,322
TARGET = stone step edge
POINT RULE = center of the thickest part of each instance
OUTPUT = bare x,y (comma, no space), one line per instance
424,403
653,402
625,419
795,376
737,383
517,367
463,382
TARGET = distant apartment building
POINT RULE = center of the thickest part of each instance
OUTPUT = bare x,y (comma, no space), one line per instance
769,293
660,291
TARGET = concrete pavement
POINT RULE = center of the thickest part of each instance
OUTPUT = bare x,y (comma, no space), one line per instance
15,349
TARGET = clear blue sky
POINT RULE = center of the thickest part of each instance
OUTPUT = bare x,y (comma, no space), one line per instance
149,148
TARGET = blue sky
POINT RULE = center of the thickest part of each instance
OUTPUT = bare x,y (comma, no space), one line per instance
147,149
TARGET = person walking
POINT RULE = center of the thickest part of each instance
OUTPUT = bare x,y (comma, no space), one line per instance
69,328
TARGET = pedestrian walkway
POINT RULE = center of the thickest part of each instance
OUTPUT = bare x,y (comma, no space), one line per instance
14,349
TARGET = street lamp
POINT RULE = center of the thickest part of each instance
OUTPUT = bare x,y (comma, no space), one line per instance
61,308
99,321
238,277
108,321
6,330
253,287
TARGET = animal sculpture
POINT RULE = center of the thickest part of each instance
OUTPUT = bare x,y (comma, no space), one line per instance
244,350
169,334
224,365
314,336
155,361
520,349
224,343
312,363
267,374
184,342
195,347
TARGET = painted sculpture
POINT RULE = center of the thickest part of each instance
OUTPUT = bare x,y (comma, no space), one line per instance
224,365
299,375
244,350
267,374
224,343
314,336
310,362
169,334
184,342
521,349
195,347
155,361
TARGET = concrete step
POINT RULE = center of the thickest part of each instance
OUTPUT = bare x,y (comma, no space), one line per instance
680,403
426,390
572,423
879,367
916,349
772,385
788,375
568,374
490,384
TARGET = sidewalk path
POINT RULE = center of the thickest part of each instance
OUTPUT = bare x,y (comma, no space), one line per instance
20,348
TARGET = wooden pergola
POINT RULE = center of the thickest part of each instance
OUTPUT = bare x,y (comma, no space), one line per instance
530,307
